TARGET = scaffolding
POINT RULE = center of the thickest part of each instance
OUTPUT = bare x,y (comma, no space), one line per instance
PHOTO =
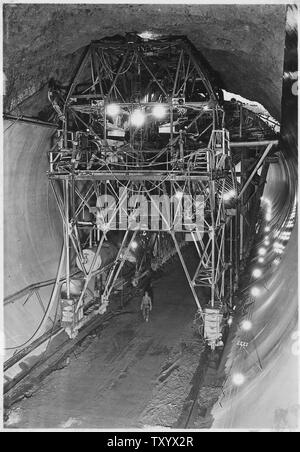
142,148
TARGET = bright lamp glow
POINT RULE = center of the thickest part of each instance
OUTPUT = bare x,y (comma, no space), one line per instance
257,273
285,235
267,228
261,260
238,379
112,109
148,35
278,247
262,251
290,224
266,200
138,118
229,195
246,325
134,245
159,111
255,291
179,194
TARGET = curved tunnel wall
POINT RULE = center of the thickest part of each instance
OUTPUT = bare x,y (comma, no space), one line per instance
269,396
270,362
32,227
30,214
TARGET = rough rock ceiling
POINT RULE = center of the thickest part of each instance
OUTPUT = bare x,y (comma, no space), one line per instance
243,43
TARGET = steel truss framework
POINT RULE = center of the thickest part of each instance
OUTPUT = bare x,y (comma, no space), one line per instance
182,154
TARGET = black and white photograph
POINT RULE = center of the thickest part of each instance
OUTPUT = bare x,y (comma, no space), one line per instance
149,219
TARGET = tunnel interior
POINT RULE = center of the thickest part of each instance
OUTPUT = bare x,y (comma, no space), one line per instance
80,128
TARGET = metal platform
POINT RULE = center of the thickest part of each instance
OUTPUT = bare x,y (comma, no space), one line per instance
141,120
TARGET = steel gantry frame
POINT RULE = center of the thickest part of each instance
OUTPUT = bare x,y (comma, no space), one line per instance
105,166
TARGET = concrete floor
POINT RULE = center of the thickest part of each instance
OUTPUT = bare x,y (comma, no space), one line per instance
113,380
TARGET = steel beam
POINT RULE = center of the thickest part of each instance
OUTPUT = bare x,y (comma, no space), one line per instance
187,273
251,144
264,155
136,177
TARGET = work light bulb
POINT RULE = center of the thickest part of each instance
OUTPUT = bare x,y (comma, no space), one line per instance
159,111
262,251
229,195
257,273
134,245
246,325
255,291
238,379
112,109
138,118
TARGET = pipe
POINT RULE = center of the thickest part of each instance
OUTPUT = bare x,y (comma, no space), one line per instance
248,144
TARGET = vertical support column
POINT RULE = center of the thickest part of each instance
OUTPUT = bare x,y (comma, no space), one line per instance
171,132
237,243
67,236
231,262
241,219
51,160
213,241
213,270
65,129
241,121
181,147
241,237
223,261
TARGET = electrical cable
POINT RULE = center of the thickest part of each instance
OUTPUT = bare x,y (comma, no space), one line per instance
14,123
48,309
32,337
109,69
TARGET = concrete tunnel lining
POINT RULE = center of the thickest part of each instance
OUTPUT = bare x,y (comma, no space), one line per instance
28,197
243,44
276,385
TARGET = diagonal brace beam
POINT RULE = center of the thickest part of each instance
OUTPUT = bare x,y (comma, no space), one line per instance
266,152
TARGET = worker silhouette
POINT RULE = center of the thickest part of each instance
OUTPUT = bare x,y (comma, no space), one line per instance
146,306
149,289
